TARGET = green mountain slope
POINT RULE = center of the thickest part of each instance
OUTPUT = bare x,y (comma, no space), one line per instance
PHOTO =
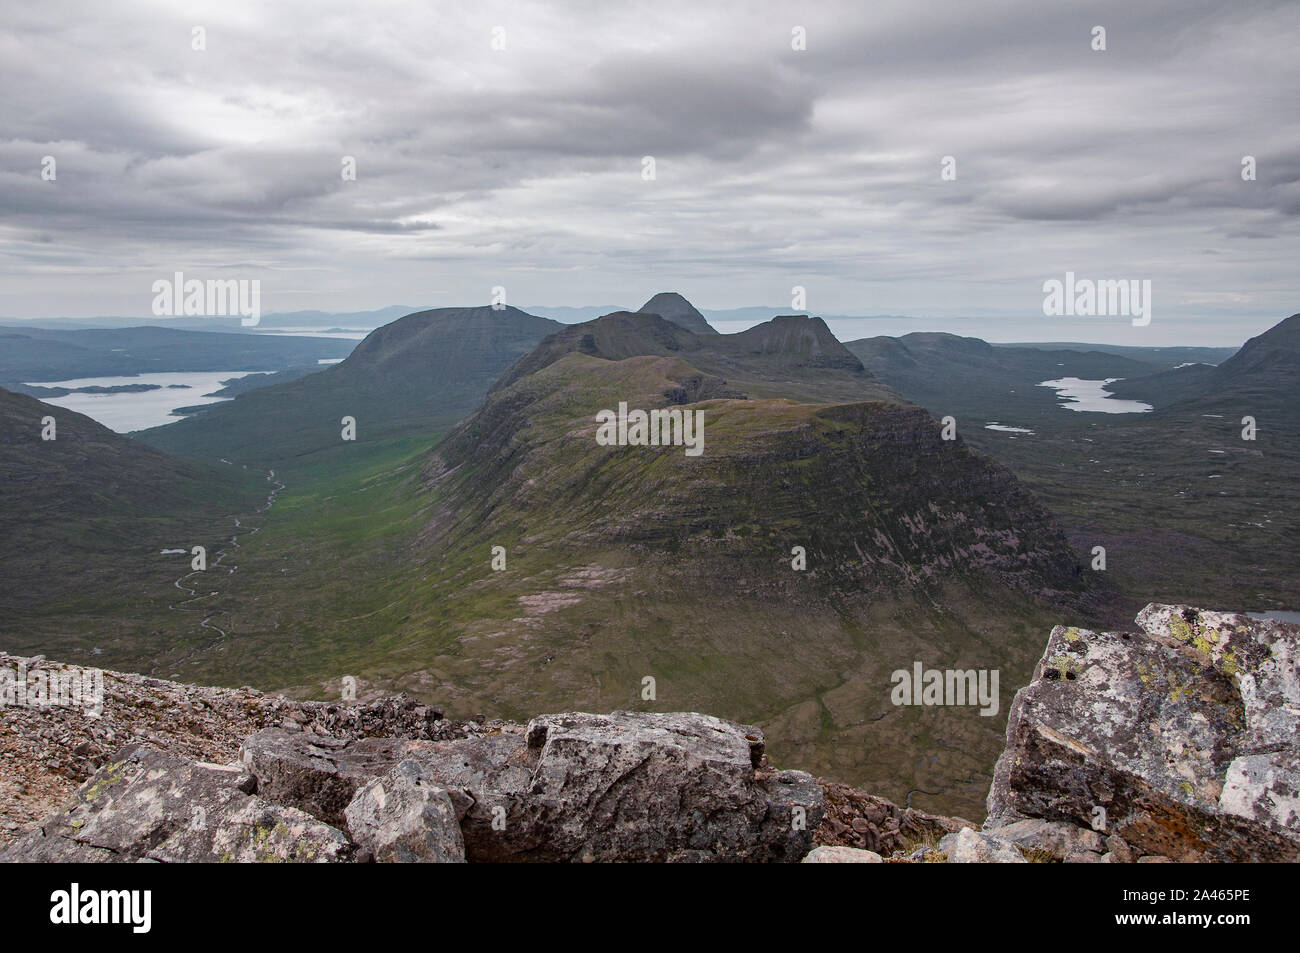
978,383
1260,380
419,374
630,562
83,520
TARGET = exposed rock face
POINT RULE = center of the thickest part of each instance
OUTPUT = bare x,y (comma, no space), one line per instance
404,817
45,753
1056,840
629,785
860,820
1182,739
666,787
969,846
571,787
842,855
317,774
149,805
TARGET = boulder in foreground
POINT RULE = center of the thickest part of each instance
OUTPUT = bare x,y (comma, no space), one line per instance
1181,739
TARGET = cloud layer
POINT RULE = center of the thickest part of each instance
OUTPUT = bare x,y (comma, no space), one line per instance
774,167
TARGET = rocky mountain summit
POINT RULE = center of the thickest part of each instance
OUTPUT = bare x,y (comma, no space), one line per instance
1178,741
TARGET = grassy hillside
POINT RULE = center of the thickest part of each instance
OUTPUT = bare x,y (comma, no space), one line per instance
83,522
979,383
418,375
1259,380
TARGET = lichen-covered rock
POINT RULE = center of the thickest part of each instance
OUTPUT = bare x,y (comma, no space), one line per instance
315,773
969,846
571,787
682,786
253,831
403,817
149,805
842,855
1053,839
1183,738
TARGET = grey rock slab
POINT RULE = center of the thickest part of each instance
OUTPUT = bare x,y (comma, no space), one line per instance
404,817
1182,738
969,846
842,855
146,804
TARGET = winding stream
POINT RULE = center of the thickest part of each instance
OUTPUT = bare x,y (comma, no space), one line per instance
194,596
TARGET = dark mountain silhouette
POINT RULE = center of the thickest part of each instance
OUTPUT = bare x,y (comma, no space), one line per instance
791,356
1260,380
675,308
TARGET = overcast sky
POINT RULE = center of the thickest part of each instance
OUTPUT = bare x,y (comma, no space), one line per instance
522,167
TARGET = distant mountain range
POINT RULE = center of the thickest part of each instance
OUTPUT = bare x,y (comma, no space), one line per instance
316,320
42,354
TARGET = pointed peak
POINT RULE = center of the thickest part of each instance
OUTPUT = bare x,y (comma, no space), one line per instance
671,306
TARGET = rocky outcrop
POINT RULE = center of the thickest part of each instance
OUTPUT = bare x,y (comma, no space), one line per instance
1179,740
571,787
149,805
46,752
610,774
864,821
405,817
969,846
842,855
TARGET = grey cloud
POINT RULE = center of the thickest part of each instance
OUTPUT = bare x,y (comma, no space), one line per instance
775,167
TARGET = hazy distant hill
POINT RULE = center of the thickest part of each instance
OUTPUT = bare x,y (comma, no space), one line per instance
977,382
1165,357
419,374
1261,380
322,320
42,354
675,308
